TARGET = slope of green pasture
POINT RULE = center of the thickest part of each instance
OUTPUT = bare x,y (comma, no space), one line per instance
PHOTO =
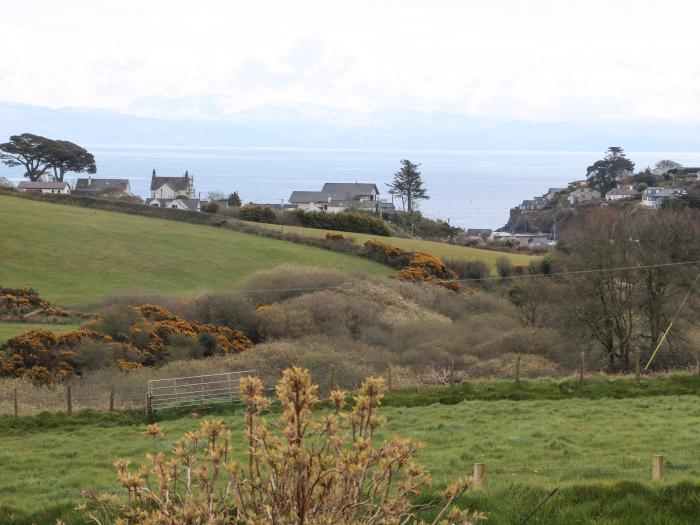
439,249
596,452
75,256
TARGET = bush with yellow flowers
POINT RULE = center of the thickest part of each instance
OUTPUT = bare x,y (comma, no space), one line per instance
300,467
43,356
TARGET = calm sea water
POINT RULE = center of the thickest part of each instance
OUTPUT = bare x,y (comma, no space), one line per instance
470,188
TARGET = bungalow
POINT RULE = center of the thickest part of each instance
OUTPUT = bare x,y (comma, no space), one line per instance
89,187
44,187
179,203
654,197
335,197
617,194
583,195
173,192
479,233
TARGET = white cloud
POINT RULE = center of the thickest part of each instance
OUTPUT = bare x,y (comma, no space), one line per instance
539,59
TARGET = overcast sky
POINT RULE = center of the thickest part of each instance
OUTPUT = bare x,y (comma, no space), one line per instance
535,59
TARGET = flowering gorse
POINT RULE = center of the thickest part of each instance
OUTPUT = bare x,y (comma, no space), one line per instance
298,468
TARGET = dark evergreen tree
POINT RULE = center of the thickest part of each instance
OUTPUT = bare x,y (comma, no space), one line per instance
408,185
601,175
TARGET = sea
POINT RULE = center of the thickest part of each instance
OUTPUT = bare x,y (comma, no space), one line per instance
471,189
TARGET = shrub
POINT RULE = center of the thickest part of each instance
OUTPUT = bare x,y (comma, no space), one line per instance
475,270
287,281
536,341
303,468
349,221
210,207
334,236
43,356
504,267
257,214
228,308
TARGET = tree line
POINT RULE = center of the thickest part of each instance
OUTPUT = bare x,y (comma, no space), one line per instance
46,159
618,280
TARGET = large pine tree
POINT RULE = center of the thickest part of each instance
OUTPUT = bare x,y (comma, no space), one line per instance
408,185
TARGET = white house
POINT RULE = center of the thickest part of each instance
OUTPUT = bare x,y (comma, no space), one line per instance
173,192
583,195
89,187
339,196
654,197
44,187
617,194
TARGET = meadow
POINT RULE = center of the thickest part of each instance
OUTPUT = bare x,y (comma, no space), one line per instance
75,256
439,249
8,330
596,452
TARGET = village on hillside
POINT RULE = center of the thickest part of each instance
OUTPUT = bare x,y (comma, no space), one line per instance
535,224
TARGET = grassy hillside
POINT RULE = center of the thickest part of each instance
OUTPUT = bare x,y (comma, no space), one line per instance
440,249
529,447
74,256
8,330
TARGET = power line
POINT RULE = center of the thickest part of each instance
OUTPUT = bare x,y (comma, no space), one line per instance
348,285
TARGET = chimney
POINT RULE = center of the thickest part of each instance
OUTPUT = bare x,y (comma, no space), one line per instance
154,174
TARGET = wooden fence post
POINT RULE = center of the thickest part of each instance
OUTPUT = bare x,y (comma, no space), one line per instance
16,403
517,369
637,367
148,405
479,475
111,398
582,371
657,468
69,400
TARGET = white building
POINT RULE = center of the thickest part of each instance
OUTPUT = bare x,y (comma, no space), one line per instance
44,187
335,197
173,192
654,197
617,194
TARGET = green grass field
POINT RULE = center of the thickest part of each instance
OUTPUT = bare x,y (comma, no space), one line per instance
596,452
75,256
439,249
8,330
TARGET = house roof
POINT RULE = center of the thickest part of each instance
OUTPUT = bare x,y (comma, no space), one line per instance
352,188
622,191
309,196
41,185
663,192
176,183
478,231
90,184
190,204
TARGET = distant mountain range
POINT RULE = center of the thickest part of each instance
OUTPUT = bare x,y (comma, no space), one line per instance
310,127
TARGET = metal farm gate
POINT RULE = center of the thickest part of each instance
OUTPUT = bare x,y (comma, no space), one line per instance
188,391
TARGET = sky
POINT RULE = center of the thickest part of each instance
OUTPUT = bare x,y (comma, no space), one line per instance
536,59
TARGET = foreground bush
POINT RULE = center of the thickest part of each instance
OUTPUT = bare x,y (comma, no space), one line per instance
300,469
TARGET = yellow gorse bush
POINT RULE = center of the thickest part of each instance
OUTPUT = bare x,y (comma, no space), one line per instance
298,468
